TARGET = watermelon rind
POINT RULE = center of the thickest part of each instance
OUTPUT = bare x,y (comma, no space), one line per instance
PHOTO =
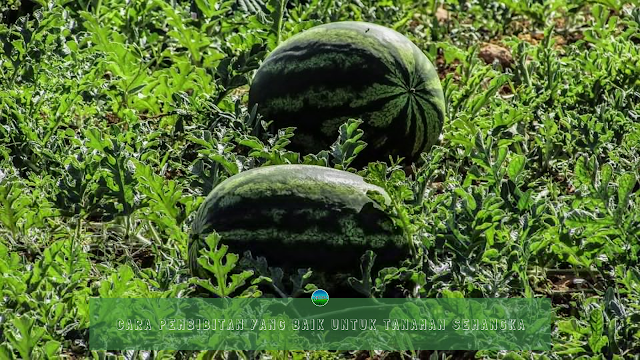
298,217
318,79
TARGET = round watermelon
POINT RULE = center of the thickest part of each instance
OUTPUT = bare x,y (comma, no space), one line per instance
298,217
318,79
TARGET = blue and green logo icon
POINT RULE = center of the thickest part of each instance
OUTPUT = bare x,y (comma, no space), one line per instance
320,297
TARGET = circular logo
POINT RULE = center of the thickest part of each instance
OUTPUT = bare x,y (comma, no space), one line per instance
320,297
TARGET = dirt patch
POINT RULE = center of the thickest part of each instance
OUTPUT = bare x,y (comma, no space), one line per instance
491,53
444,69
531,38
442,15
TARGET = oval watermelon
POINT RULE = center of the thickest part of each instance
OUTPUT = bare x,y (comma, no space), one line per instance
299,216
319,78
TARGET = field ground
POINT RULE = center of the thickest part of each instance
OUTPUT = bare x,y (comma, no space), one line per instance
117,118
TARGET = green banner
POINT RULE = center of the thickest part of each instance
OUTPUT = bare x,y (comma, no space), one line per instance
320,324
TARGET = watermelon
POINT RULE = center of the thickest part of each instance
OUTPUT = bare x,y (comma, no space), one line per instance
319,78
298,217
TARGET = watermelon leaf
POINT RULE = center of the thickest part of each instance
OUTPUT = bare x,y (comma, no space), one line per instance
274,276
366,264
626,182
348,145
300,281
221,264
219,9
277,9
596,324
257,7
27,336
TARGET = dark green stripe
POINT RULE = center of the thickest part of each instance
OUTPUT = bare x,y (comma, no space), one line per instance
422,118
435,107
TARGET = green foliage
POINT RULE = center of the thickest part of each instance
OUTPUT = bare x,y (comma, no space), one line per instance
117,118
348,144
220,263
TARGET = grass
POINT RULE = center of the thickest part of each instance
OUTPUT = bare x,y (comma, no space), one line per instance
117,118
